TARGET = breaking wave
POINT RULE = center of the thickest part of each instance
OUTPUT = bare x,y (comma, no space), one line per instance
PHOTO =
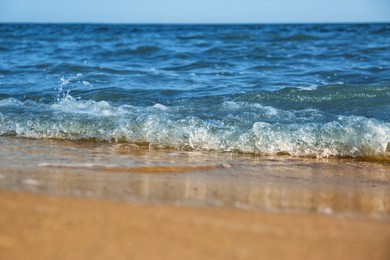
232,127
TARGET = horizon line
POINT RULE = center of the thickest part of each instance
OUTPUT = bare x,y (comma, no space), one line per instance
199,23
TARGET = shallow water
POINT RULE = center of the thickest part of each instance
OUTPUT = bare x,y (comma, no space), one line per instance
302,90
336,187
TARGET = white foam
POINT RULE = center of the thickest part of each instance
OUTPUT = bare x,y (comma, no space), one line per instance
101,108
160,107
231,105
10,102
308,88
256,129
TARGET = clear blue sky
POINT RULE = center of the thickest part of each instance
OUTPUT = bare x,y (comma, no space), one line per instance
195,11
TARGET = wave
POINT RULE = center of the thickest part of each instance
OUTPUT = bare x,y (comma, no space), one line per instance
233,127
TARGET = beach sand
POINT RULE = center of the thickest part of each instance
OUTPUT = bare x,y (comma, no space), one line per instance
53,227
66,200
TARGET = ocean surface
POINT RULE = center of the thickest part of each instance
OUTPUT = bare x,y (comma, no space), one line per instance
301,90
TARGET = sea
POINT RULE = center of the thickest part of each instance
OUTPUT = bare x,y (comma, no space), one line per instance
285,118
311,90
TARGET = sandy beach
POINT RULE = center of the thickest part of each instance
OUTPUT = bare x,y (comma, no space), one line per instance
54,227
67,200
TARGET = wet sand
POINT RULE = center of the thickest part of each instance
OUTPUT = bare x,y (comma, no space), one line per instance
53,227
66,200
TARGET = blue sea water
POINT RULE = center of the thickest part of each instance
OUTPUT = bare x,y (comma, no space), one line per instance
303,90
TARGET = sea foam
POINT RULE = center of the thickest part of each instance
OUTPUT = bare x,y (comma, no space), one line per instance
243,127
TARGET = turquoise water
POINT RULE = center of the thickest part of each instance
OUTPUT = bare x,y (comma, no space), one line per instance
303,90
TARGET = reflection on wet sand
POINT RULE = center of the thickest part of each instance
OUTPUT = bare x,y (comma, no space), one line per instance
122,172
210,188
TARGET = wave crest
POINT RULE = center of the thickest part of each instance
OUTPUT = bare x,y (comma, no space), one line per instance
298,133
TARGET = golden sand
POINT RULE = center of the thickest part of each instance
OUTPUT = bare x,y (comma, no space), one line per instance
53,227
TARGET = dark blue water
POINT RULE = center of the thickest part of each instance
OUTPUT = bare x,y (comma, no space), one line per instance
303,90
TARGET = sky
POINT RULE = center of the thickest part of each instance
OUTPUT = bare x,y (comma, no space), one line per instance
194,11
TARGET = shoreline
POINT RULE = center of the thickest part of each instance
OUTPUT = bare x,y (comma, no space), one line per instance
48,227
65,200
189,178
